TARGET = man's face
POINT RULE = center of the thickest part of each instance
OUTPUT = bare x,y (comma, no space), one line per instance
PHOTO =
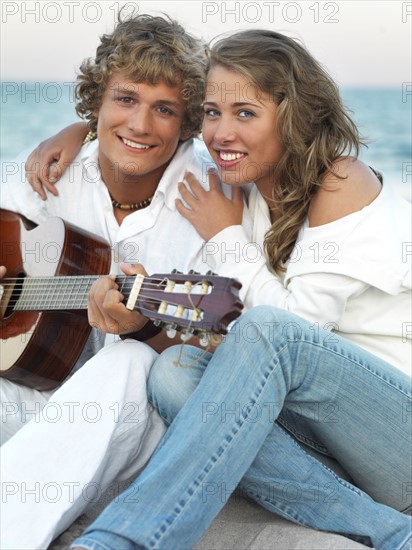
139,128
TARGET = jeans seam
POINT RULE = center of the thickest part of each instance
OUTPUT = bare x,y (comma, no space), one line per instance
407,510
304,439
405,542
190,492
341,481
364,367
96,544
285,510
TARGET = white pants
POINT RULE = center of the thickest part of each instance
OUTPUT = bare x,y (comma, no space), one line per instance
96,428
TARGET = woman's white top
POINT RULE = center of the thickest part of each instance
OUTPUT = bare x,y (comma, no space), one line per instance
352,276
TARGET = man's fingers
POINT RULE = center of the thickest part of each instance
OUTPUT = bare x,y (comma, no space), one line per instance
93,315
98,292
133,269
112,310
102,312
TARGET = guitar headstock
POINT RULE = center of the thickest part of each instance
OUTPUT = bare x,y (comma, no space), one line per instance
191,303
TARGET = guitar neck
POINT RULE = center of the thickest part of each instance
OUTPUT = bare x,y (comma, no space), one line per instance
198,302
49,297
55,293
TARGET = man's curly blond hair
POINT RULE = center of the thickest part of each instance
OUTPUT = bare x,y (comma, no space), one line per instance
151,50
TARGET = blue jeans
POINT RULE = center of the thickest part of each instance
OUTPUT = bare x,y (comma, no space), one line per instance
273,361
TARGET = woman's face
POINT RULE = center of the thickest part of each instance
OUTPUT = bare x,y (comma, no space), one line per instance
239,129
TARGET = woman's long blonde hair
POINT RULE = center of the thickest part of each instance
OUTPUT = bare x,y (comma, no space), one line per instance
311,121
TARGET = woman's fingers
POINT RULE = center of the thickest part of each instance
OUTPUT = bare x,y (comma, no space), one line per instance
214,181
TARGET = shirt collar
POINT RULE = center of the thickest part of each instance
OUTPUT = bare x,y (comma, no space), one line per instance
89,153
190,155
89,158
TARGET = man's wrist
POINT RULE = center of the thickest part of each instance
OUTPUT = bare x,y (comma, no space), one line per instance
149,330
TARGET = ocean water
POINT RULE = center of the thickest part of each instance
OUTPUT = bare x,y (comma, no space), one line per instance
32,111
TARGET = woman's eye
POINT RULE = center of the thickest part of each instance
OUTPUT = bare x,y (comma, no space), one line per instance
211,112
246,114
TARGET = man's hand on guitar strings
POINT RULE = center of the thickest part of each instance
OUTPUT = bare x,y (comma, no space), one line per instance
106,309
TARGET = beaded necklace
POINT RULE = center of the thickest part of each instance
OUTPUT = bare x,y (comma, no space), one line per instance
134,206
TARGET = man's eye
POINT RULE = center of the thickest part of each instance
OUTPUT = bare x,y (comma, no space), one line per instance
125,99
165,111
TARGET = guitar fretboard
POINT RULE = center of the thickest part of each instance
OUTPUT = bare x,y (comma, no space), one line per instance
57,293
198,303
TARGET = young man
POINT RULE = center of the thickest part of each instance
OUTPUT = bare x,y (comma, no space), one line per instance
142,94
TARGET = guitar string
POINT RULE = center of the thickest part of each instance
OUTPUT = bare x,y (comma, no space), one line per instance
46,280
188,323
30,295
127,281
80,280
45,289
153,301
46,286
147,278
39,283
148,299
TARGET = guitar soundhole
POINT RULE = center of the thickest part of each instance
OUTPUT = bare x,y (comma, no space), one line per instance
11,296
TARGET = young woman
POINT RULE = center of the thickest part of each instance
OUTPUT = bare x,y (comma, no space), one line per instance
325,357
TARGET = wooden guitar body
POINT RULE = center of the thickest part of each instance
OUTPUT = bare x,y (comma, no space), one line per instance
43,298
39,349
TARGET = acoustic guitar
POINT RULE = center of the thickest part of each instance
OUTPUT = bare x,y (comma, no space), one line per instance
43,298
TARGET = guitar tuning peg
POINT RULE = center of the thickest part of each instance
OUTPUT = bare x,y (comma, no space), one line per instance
186,335
171,330
203,340
193,272
177,272
211,273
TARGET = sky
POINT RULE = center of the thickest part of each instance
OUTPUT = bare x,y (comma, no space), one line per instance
362,43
